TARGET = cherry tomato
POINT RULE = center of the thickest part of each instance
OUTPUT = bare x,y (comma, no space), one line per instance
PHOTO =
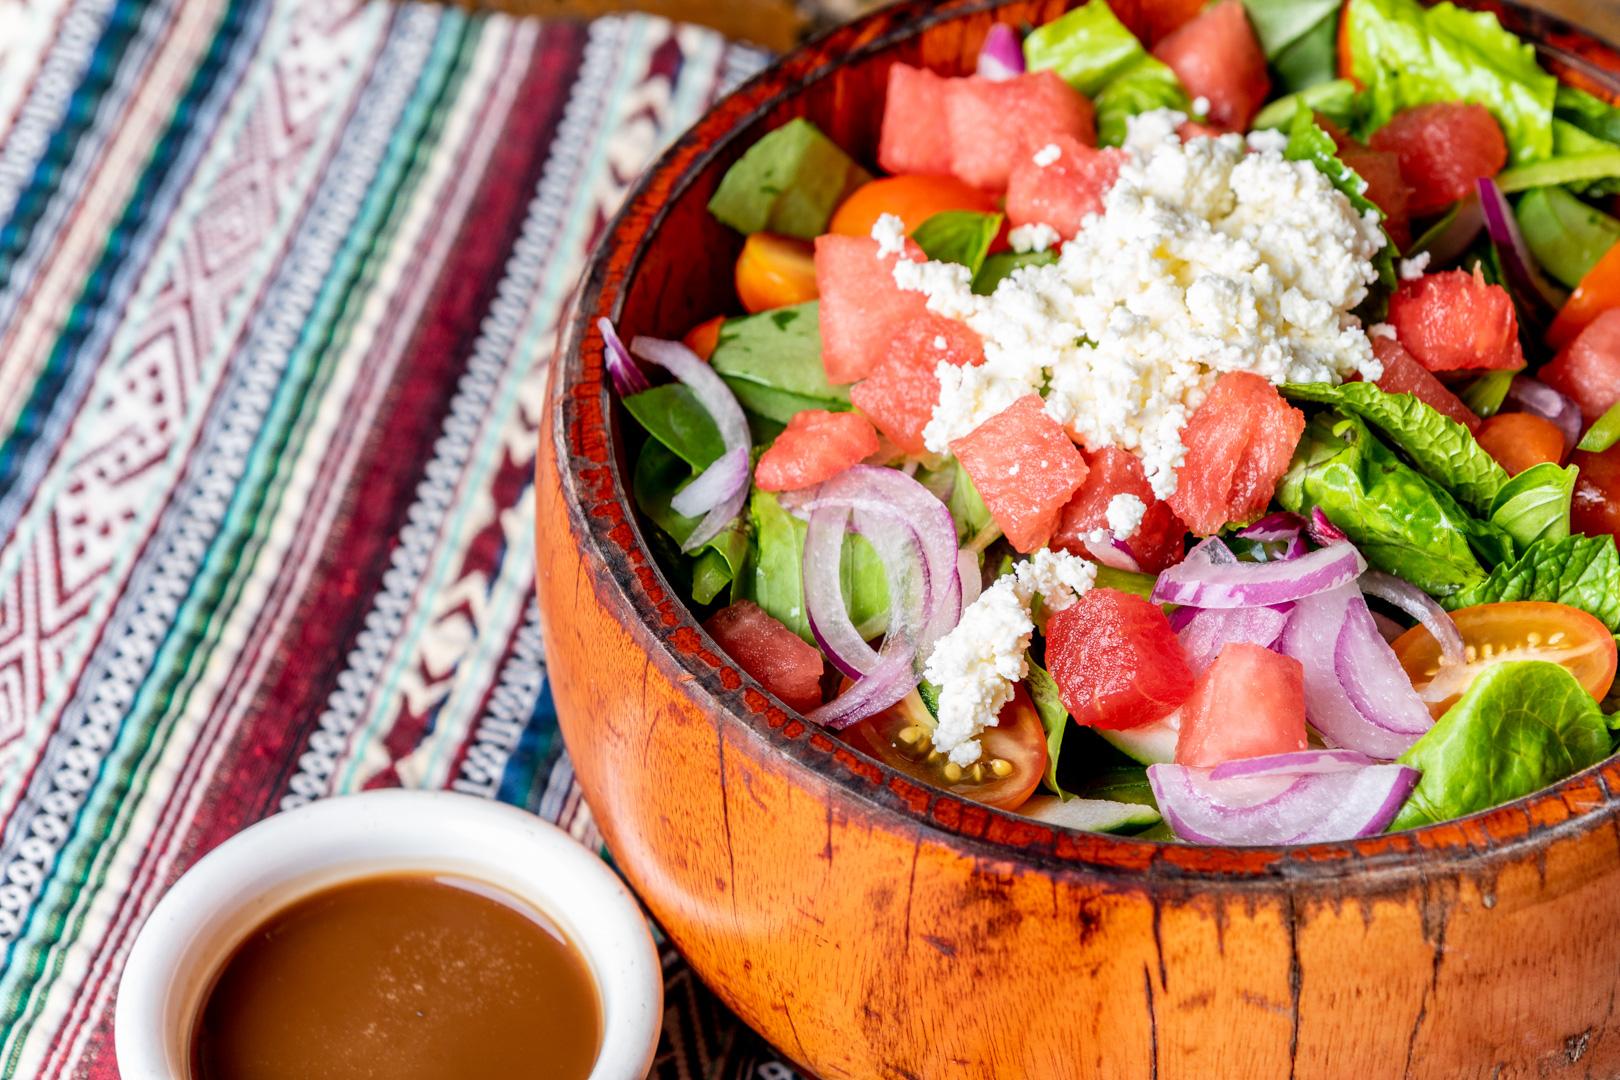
1597,292
703,337
1011,763
1520,440
913,199
1516,630
1595,509
775,271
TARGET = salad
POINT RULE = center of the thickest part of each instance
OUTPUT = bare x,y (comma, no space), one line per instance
1217,443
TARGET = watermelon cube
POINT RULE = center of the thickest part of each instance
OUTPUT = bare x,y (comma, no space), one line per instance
899,397
1587,371
1404,375
774,655
993,124
815,446
1444,149
1116,662
1159,541
1386,188
1217,56
1026,470
1454,320
1063,191
915,137
1249,703
1239,443
860,304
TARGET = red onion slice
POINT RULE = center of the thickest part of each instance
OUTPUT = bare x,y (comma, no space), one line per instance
890,680
1114,553
1001,57
824,596
627,378
1323,531
1517,262
713,485
1538,399
1198,581
1324,638
1294,763
729,488
1274,527
1210,630
967,568
1311,808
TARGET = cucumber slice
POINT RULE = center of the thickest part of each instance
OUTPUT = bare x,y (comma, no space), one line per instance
1151,744
1093,815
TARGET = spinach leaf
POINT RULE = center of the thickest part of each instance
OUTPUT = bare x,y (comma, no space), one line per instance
1403,523
1089,47
958,236
1588,112
778,350
1312,60
1442,449
1406,54
1043,691
865,586
659,474
777,581
1486,393
1335,100
1535,504
1001,265
1581,571
778,406
1522,725
671,414
1307,142
789,182
1604,433
1147,84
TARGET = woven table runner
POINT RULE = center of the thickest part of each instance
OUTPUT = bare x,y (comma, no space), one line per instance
279,284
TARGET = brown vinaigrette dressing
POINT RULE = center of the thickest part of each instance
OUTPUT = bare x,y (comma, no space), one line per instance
404,977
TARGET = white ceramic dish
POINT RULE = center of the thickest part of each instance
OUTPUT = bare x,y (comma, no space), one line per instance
286,857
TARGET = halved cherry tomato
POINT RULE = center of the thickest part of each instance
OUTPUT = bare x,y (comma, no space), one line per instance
705,336
1520,440
1011,763
913,199
1597,292
1516,630
775,271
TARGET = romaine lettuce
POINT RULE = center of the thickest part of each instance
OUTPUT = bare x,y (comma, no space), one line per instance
1335,100
1148,84
1089,47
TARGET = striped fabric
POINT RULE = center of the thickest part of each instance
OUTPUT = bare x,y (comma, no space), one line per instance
279,282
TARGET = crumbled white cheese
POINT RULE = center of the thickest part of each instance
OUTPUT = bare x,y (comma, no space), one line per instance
1205,260
977,663
1124,514
940,343
1382,329
1200,106
890,233
1412,269
1048,154
1037,236
1265,139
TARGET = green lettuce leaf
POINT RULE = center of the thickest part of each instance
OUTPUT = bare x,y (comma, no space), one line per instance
1534,505
1043,691
958,236
788,182
1335,100
1406,55
1403,523
1308,142
1311,60
659,475
1089,47
1522,725
1148,84
1442,449
1566,236
1280,23
1581,571
671,414
1588,112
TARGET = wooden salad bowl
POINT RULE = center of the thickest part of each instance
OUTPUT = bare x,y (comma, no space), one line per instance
872,927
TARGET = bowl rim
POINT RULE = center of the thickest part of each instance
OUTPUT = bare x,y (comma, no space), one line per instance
606,526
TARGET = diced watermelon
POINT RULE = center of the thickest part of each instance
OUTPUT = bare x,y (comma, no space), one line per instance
915,137
1217,56
1158,543
860,304
1062,193
1404,375
1386,189
1116,662
774,655
1443,148
816,445
1239,443
1025,468
899,397
1595,509
1454,320
1250,703
1588,370
993,124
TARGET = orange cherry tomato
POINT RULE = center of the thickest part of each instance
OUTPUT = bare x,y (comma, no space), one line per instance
1010,765
912,199
1598,291
1520,440
705,336
1517,630
775,271
1595,508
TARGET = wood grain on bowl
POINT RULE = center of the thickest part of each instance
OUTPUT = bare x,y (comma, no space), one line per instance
871,927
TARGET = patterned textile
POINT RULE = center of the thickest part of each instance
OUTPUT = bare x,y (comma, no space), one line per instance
279,282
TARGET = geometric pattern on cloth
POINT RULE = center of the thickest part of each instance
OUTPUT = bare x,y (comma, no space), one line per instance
279,284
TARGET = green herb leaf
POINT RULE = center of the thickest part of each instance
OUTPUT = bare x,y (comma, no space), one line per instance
1043,691
1603,434
659,475
1089,47
1147,84
1441,448
1335,100
1307,142
1581,571
1001,265
671,414
772,362
788,182
1535,504
958,236
1486,393
1522,725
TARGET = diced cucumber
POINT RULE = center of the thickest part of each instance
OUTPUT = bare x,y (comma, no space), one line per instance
789,182
1151,744
1566,236
1093,815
